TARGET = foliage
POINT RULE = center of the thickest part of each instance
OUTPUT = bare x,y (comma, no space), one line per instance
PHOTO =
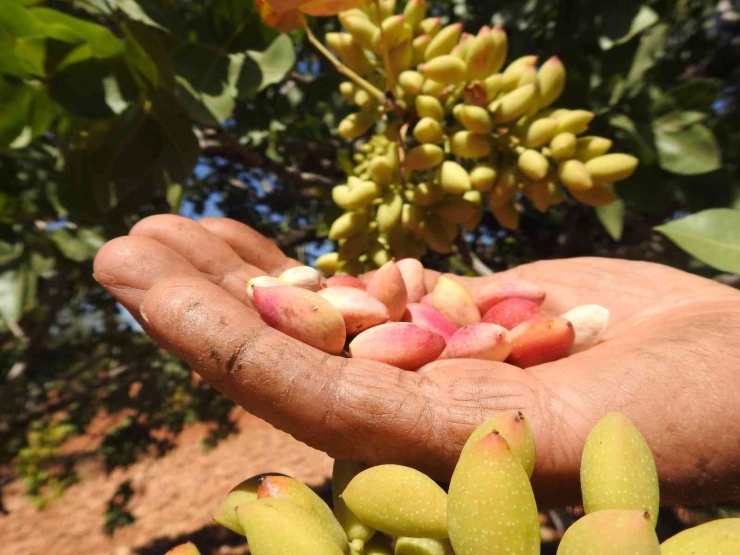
44,442
712,236
113,110
98,105
117,513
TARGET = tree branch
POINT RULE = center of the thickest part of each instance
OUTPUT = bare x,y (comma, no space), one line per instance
322,149
470,259
463,251
296,237
479,267
733,280
283,200
254,159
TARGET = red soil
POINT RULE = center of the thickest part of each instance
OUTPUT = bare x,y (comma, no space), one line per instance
175,495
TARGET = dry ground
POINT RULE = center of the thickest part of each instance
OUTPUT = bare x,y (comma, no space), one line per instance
175,495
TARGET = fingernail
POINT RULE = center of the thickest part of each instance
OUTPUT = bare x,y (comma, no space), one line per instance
143,315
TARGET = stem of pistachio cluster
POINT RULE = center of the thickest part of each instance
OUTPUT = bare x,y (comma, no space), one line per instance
343,69
390,78
356,547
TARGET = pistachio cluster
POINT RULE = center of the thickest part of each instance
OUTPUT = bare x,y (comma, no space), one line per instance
456,130
489,506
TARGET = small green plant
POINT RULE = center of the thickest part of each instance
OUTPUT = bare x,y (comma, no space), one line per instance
44,477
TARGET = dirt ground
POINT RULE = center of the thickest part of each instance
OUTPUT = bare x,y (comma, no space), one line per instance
175,496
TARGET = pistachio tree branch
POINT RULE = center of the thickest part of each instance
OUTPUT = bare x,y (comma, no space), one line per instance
343,69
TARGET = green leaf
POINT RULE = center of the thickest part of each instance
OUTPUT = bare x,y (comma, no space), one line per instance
169,16
80,88
16,21
206,78
712,236
139,60
686,147
60,26
149,55
649,189
42,112
132,9
78,54
8,204
276,61
22,46
697,94
645,18
94,7
708,190
174,197
652,44
22,140
76,248
51,192
678,120
249,79
9,252
644,148
113,95
42,266
28,2
107,161
210,82
611,217
180,145
31,52
236,26
15,101
209,79
17,288
204,69
135,146
10,64
192,102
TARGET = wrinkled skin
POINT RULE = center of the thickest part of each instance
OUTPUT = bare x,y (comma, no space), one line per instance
670,362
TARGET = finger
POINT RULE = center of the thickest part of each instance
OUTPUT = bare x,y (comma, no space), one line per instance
633,291
128,266
625,288
251,246
205,252
578,281
355,410
645,377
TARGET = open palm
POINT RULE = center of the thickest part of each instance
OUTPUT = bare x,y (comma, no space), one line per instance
669,362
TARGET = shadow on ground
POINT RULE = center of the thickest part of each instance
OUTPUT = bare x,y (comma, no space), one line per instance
214,539
209,540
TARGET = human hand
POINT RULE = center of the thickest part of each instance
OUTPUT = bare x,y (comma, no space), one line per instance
669,361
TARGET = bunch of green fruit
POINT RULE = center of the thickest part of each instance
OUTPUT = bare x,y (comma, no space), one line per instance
488,508
454,129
